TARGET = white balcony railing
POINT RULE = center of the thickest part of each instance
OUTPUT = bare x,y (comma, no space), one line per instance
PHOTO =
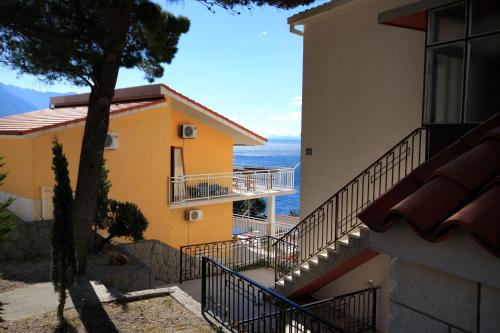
239,183
258,227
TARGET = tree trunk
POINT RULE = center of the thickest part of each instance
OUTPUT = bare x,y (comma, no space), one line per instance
60,307
96,128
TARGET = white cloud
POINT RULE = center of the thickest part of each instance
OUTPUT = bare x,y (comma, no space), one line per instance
263,33
296,101
292,116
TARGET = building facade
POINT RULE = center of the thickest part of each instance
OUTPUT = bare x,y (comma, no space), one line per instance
152,161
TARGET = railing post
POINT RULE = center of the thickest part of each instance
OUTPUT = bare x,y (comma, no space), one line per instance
180,267
374,310
203,284
336,218
269,241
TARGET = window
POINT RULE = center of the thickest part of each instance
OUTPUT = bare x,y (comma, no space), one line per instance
447,24
445,81
483,82
463,63
177,170
485,17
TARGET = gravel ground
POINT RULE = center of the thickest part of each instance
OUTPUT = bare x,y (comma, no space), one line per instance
162,314
22,274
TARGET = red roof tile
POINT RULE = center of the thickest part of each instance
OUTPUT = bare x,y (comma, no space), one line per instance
39,120
458,187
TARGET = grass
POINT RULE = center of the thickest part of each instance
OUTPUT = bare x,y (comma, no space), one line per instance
162,314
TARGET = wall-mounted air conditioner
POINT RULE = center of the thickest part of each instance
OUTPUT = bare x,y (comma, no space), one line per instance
194,215
112,141
188,132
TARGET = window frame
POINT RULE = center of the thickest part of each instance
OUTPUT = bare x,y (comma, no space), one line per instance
467,39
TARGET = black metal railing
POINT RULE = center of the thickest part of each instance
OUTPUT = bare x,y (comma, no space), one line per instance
353,312
337,216
239,255
449,326
242,305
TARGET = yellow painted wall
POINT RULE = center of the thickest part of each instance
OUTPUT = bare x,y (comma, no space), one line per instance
18,159
139,170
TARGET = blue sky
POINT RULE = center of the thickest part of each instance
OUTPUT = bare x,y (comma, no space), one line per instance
247,67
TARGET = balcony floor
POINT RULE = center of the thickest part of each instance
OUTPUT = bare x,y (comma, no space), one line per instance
242,195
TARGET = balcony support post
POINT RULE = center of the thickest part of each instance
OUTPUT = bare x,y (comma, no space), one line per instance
271,215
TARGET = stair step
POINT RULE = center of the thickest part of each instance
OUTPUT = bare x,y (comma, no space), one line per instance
344,241
355,233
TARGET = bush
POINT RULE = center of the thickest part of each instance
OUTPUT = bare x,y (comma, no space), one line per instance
294,212
125,219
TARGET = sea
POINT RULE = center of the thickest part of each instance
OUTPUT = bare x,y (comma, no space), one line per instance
275,153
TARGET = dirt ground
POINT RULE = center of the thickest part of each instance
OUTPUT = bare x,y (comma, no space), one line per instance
22,274
162,314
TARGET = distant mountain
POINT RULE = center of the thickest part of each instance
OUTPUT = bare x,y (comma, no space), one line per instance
11,104
14,100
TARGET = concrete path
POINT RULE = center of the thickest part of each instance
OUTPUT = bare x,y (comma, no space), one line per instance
40,298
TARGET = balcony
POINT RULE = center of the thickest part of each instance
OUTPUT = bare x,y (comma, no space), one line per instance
255,227
242,184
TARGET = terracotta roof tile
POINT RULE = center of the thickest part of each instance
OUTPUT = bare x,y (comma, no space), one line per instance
457,188
39,120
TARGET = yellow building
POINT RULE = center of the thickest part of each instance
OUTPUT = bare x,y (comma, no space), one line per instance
170,155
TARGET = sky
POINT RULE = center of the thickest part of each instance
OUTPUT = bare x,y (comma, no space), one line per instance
247,67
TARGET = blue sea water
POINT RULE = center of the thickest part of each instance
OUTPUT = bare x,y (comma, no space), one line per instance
277,153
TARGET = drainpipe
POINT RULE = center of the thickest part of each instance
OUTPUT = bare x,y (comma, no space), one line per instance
271,216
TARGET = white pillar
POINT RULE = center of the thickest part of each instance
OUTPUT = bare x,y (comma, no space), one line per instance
271,215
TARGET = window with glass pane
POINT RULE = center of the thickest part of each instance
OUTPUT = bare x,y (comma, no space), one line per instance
447,24
483,80
485,16
444,84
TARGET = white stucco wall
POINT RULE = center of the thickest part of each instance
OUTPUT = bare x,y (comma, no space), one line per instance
458,255
374,270
362,93
25,208
422,299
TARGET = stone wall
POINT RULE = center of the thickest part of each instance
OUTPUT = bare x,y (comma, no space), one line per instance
163,259
29,240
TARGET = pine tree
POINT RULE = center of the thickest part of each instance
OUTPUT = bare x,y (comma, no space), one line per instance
125,219
6,224
102,204
64,266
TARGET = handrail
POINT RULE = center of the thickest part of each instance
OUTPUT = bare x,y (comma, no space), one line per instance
240,254
448,324
222,286
337,216
361,304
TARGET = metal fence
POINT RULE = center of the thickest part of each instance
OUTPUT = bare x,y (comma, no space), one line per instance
218,185
242,305
337,217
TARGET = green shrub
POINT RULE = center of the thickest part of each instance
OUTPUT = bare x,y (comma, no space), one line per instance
125,219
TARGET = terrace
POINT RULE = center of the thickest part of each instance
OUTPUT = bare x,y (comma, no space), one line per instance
243,183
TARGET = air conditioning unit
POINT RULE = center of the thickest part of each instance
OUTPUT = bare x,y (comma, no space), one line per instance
189,132
112,141
194,215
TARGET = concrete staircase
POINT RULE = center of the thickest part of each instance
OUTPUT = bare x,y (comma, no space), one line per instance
326,264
